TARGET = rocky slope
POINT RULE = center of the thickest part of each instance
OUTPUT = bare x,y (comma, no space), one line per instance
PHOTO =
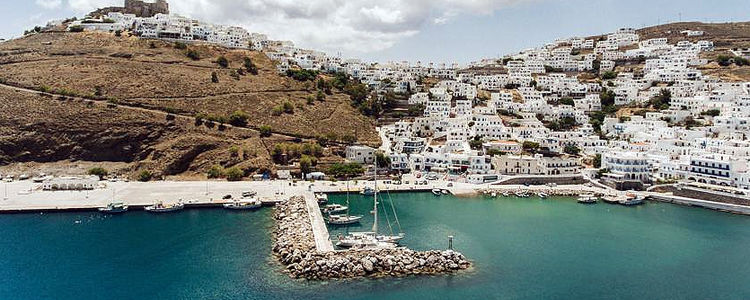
160,77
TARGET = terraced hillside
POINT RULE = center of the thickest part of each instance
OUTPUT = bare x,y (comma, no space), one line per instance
157,77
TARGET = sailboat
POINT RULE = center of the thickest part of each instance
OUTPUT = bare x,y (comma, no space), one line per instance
371,239
345,219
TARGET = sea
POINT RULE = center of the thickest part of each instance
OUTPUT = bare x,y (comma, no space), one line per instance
521,248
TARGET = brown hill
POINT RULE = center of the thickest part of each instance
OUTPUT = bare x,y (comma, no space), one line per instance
157,77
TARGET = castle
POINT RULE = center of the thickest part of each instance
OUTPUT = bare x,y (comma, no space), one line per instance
139,8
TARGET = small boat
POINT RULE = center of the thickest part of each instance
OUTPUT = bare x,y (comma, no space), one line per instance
334,209
522,194
543,195
445,192
631,199
249,194
506,194
368,191
611,199
271,201
114,208
493,194
367,238
322,198
342,219
437,192
587,199
160,207
244,204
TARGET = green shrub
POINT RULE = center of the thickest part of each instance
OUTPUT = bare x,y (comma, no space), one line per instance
234,174
145,175
98,171
214,77
180,45
250,66
265,131
277,110
288,107
239,118
216,171
223,62
76,28
609,75
192,54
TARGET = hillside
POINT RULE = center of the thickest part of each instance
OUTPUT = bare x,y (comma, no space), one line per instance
156,77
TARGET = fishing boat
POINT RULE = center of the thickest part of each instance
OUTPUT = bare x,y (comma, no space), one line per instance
631,199
331,209
372,239
160,207
587,199
244,204
322,198
114,208
437,192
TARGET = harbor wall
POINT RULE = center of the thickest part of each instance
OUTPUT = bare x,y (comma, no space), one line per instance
542,180
294,246
702,194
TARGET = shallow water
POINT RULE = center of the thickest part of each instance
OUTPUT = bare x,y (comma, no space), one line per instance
521,248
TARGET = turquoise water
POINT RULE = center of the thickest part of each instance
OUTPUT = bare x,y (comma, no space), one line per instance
522,249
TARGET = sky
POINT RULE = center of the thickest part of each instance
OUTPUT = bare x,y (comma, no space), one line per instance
415,30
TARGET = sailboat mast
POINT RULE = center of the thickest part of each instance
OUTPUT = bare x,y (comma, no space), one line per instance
375,199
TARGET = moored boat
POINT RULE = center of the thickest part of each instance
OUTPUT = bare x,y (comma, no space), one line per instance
271,201
321,198
114,208
342,219
244,204
542,195
632,199
587,199
160,207
437,192
368,191
333,209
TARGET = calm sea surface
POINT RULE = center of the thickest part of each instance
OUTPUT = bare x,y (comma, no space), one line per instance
521,248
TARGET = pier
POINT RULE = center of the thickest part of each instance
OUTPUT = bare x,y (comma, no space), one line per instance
320,231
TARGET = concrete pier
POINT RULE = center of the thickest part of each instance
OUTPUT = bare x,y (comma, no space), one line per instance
320,231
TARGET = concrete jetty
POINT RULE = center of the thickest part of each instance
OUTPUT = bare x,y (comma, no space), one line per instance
319,230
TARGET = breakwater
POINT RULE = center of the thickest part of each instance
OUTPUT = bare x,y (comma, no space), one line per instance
294,246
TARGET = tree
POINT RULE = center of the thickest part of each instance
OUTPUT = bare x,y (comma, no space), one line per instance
530,146
571,149
76,28
598,161
145,175
609,75
345,170
607,98
711,112
223,62
250,66
320,96
180,45
265,131
214,77
305,165
476,143
234,174
288,107
382,160
98,171
567,101
238,118
662,100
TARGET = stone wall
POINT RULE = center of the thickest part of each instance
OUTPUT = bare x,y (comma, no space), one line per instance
541,180
294,246
138,8
701,194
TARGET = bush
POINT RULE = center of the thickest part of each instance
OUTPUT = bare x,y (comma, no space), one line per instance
277,110
310,100
180,45
598,161
152,45
216,171
223,62
265,131
302,75
98,171
145,175
76,28
234,174
288,107
345,170
192,54
572,150
214,77
238,118
711,112
320,96
567,101
530,146
118,33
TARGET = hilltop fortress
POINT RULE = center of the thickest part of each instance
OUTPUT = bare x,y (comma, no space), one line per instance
139,8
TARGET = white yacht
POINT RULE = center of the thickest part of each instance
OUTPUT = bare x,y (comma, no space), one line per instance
368,191
437,192
632,199
587,199
331,209
114,208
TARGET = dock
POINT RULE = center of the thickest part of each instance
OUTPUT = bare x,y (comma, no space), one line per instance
320,231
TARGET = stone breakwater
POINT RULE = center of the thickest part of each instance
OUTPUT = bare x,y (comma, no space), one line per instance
295,248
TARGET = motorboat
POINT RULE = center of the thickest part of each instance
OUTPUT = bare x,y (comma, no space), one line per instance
244,204
522,194
632,199
506,194
333,209
368,191
587,199
542,195
160,207
114,208
342,219
321,198
437,192
445,192
493,194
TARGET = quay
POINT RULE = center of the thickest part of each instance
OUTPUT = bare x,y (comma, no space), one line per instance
320,232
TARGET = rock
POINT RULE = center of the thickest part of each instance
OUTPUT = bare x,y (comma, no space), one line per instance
367,265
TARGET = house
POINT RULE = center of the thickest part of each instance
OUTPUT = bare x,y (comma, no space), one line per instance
360,154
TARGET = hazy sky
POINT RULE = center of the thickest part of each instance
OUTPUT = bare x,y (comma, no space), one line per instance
426,30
